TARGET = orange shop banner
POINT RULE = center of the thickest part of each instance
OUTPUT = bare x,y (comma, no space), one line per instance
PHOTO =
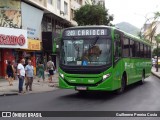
34,44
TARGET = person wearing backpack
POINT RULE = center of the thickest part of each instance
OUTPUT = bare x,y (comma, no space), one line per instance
50,69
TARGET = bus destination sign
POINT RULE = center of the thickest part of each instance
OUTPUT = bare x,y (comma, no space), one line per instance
85,32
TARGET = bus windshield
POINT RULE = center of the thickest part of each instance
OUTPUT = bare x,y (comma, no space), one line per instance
86,52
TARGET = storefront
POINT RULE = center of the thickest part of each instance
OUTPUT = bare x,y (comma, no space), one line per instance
10,40
34,47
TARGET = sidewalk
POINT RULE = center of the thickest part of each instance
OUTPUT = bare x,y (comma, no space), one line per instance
153,71
37,87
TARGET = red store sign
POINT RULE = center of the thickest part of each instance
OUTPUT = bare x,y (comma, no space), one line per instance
13,38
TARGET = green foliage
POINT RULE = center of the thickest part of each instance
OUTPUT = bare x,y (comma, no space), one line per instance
151,30
155,52
92,15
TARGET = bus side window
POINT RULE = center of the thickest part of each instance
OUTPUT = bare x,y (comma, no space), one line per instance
149,52
145,51
141,50
126,47
137,49
132,48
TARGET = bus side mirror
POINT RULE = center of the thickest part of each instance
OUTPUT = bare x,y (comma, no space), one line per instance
117,52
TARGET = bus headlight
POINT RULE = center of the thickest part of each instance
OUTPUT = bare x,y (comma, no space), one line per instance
106,76
62,75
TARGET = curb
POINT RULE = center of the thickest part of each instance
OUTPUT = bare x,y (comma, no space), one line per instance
8,94
155,74
26,93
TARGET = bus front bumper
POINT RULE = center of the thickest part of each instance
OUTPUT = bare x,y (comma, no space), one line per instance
106,85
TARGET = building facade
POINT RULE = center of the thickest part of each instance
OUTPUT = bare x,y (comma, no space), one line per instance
40,22
101,2
20,34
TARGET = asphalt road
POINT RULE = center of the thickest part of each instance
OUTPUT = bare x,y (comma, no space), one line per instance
144,97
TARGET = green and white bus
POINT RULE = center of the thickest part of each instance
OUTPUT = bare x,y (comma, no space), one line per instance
102,58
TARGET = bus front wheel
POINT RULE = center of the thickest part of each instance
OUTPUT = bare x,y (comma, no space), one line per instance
123,85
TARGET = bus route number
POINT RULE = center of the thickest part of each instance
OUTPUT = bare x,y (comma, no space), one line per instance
70,33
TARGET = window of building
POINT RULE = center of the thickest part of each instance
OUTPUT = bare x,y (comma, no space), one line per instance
65,8
72,13
126,47
50,2
101,3
79,1
59,4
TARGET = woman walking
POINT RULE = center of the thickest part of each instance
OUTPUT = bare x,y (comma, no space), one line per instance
41,71
9,72
14,66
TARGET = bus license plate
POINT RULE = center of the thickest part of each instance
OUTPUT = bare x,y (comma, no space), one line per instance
81,88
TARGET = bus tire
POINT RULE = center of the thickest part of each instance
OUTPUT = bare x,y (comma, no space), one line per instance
123,85
143,77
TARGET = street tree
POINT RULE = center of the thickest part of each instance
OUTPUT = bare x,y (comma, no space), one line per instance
157,38
151,32
155,51
94,14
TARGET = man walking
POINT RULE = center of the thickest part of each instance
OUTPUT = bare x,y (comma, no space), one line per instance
29,75
50,68
21,74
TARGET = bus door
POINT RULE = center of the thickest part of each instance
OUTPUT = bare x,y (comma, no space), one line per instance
133,61
127,60
117,54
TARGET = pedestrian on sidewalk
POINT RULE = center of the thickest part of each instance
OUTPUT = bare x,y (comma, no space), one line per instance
21,74
9,72
50,69
14,66
41,71
29,75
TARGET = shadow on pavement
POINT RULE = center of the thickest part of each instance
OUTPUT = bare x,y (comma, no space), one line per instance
102,95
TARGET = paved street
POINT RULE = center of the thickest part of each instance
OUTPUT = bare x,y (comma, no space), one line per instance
136,98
